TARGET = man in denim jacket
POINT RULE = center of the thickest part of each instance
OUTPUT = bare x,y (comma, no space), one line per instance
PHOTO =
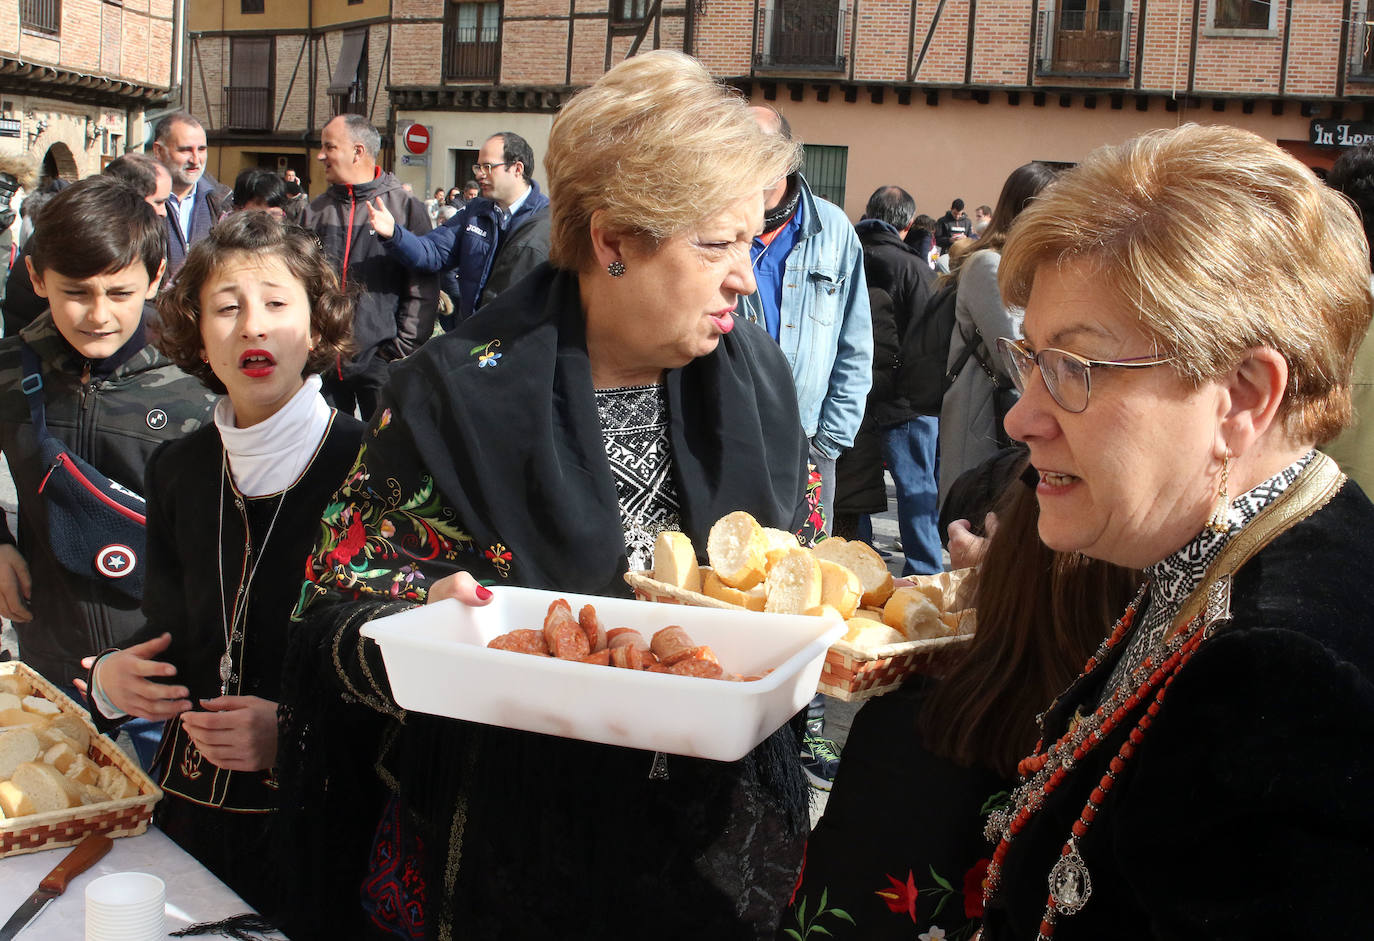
813,300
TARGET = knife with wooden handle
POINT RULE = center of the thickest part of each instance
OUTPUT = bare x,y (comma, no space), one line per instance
86,854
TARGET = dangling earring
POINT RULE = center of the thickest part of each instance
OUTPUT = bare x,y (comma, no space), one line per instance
616,268
1217,522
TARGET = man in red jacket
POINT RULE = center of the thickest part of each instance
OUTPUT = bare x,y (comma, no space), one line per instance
396,307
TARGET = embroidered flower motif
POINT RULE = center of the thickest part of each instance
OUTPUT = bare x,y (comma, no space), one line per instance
386,528
500,558
486,353
901,897
402,579
382,421
354,538
936,933
975,881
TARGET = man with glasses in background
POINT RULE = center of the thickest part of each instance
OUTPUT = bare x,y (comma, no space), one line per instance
492,242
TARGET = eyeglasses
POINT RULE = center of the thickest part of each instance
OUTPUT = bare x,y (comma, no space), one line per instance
1068,376
484,169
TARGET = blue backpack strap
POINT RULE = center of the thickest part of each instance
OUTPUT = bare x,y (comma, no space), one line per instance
33,389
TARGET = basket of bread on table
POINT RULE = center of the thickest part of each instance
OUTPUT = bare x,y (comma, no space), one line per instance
893,627
60,779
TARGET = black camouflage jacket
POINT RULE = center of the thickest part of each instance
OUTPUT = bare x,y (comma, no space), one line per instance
114,423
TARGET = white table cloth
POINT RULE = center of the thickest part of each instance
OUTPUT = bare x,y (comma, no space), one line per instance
193,892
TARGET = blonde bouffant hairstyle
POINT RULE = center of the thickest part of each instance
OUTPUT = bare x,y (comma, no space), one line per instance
658,146
1218,241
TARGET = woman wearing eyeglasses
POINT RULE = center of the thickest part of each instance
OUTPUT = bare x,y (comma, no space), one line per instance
1208,775
973,406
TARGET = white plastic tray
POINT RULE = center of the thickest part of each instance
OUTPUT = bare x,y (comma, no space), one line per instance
438,663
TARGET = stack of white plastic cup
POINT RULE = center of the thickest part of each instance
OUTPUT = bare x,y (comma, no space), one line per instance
126,906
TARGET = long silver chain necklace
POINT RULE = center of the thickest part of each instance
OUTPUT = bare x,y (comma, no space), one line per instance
232,633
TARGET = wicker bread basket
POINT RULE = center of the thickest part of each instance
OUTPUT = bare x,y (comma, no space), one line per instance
128,816
850,673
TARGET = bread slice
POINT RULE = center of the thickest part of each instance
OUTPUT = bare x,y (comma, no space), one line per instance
14,802
75,729
15,685
40,706
90,794
794,583
46,787
840,588
83,771
11,718
737,550
863,561
114,783
779,541
60,756
10,701
16,747
712,587
873,614
910,611
675,561
865,633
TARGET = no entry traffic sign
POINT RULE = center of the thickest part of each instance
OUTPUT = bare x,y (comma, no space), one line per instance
417,138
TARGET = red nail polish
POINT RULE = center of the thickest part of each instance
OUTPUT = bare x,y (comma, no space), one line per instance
483,593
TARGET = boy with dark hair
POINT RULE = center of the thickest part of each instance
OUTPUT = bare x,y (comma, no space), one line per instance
97,254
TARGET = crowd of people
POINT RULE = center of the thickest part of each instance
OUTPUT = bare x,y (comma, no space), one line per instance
1138,437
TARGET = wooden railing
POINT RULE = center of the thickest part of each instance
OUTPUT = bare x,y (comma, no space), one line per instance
466,57
43,16
248,108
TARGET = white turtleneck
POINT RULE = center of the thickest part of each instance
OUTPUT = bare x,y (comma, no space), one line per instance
270,456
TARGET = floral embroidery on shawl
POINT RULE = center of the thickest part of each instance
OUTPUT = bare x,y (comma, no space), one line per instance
365,531
486,353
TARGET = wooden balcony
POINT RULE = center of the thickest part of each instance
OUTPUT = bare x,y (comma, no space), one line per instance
247,108
801,35
467,58
41,16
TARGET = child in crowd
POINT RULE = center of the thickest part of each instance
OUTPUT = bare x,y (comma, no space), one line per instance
96,255
262,190
255,313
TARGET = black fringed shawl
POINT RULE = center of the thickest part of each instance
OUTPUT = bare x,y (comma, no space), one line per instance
486,454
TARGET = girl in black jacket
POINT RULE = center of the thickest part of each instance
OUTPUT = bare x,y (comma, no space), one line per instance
233,511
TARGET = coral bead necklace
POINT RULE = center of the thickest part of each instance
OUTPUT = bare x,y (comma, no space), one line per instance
1044,770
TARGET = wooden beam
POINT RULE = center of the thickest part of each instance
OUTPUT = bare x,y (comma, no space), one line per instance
925,46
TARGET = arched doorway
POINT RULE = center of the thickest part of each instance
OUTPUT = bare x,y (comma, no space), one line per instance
58,162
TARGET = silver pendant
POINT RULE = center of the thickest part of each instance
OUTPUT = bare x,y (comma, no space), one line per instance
1070,884
226,670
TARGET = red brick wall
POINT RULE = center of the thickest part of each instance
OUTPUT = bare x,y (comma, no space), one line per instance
883,34
724,31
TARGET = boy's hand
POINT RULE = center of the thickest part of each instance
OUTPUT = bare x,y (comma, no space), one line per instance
381,219
126,679
15,585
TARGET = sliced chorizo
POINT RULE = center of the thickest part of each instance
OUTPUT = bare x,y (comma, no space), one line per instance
671,644
562,633
703,667
591,626
531,642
